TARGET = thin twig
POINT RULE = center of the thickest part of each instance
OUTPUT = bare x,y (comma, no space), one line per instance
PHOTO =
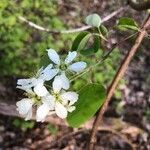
116,79
38,27
81,131
68,136
103,57
88,69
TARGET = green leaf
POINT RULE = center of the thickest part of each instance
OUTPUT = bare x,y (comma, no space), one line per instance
127,23
77,44
94,47
28,125
93,20
24,125
96,44
81,43
84,42
91,97
104,30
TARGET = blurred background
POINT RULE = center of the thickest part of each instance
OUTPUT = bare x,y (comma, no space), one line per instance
21,51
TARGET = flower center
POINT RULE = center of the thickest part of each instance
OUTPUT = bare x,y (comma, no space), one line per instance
36,99
63,67
57,97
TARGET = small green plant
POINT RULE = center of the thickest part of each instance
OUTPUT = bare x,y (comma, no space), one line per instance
52,129
23,125
23,45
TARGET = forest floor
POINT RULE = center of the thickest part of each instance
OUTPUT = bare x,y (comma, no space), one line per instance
127,121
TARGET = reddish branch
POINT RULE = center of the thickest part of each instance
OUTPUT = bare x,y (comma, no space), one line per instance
116,79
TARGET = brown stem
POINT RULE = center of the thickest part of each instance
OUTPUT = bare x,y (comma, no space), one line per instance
116,79
139,6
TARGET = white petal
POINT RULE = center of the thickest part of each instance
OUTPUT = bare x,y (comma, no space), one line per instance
26,84
25,88
57,84
24,105
48,73
50,101
71,108
42,112
47,68
40,90
44,70
29,114
65,81
26,81
23,81
69,96
70,57
60,82
78,66
61,111
52,54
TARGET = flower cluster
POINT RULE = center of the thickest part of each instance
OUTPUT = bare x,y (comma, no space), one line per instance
57,99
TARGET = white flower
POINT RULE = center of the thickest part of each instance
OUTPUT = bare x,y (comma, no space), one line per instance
63,100
24,107
75,67
40,89
61,111
62,107
42,75
33,86
26,84
69,96
60,82
36,84
44,109
48,73
59,101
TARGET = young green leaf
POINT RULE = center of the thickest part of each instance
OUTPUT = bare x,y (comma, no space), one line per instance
93,20
103,30
76,43
91,97
96,45
127,23
93,48
83,42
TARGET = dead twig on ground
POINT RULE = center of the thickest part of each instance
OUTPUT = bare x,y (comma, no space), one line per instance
116,79
68,136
